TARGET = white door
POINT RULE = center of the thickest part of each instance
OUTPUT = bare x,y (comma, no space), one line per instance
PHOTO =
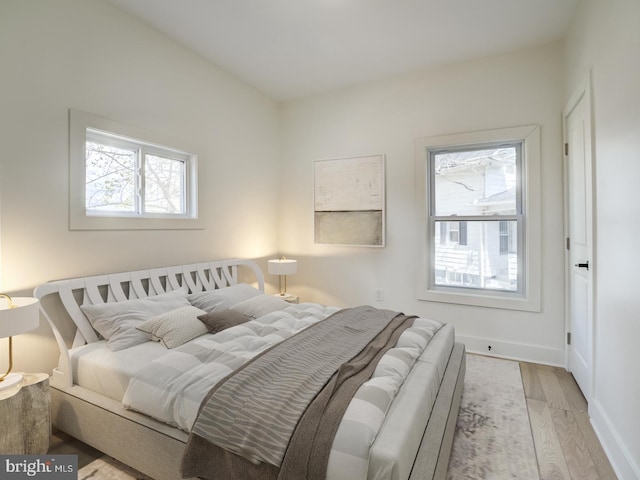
577,122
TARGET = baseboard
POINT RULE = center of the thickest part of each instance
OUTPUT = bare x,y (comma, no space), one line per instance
513,351
619,457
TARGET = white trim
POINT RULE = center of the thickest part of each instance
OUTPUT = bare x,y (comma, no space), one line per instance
79,122
530,299
521,352
614,447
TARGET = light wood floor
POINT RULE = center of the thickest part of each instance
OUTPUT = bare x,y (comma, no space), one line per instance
566,445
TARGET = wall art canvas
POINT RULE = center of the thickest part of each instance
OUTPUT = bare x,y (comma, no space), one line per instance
349,201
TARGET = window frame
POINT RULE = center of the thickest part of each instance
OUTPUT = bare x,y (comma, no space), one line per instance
458,218
84,125
529,257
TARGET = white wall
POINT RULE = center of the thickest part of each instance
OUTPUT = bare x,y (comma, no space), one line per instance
605,39
386,117
87,55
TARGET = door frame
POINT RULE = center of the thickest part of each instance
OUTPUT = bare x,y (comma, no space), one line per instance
583,91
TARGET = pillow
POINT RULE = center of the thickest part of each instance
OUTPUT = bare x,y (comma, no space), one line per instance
260,305
222,319
116,321
223,298
175,327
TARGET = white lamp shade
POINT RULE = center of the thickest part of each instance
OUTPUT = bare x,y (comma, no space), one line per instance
283,266
23,318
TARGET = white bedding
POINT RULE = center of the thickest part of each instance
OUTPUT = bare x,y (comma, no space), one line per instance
172,387
101,370
391,455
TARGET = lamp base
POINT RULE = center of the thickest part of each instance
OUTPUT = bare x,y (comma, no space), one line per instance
10,380
287,297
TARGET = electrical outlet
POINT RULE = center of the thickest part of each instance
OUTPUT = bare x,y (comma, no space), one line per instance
379,295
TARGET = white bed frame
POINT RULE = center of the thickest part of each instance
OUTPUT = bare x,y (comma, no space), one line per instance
155,448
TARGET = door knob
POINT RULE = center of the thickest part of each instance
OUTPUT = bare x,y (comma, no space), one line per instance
583,265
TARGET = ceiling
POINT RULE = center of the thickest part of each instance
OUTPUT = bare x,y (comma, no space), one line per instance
293,48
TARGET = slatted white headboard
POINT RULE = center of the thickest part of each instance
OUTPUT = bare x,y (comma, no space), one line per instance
118,287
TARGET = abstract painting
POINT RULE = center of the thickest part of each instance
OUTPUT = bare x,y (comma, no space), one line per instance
349,201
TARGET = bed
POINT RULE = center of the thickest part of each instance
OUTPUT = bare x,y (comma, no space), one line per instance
141,396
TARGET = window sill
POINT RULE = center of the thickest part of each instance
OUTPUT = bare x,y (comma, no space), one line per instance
79,221
489,300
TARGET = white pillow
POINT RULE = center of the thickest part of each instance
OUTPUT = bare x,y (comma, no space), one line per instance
223,298
175,327
258,306
116,321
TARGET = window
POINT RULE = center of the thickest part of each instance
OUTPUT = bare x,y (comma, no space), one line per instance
480,184
126,178
507,238
454,232
463,233
480,201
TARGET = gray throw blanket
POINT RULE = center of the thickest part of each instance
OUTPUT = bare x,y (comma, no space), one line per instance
276,417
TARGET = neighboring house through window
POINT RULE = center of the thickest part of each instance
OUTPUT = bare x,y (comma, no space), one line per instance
479,193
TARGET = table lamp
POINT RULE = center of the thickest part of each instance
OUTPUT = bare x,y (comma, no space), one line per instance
282,267
17,315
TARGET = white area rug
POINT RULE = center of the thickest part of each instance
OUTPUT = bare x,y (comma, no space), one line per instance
493,439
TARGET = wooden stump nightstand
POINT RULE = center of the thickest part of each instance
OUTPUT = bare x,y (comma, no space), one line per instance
25,415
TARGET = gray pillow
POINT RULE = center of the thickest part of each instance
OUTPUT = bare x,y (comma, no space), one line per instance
223,298
117,321
175,327
258,306
222,319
